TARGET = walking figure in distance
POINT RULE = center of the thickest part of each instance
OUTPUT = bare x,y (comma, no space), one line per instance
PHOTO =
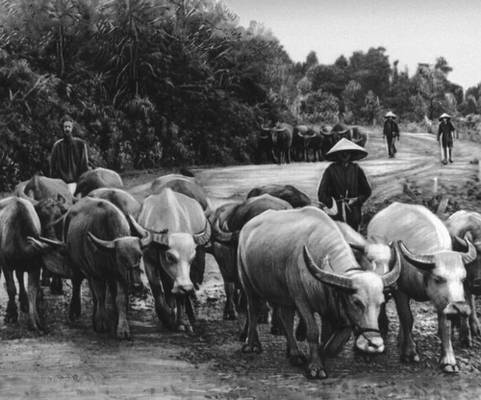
446,133
390,133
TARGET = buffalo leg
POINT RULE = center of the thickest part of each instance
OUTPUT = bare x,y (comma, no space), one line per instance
46,274
100,321
22,293
56,286
165,314
182,324
383,321
229,308
11,314
315,367
276,327
447,361
286,315
122,299
408,347
253,344
474,324
75,305
33,294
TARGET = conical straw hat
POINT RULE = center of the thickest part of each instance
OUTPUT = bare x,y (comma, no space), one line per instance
357,152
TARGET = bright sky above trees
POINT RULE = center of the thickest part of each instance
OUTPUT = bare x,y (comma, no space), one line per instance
412,31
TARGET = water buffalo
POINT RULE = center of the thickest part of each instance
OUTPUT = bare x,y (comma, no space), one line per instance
264,146
358,137
49,196
228,220
281,134
129,206
459,224
19,228
278,257
302,136
97,178
186,185
176,259
295,197
431,271
101,248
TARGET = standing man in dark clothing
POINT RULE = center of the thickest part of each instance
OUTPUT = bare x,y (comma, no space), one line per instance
446,133
69,158
346,182
390,132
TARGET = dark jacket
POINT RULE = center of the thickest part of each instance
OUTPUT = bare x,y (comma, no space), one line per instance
391,129
446,133
340,181
69,159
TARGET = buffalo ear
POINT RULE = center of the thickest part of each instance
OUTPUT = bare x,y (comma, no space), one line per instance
105,245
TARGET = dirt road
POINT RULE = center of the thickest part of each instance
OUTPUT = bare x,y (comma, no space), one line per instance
73,362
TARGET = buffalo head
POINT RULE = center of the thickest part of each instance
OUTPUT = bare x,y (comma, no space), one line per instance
444,274
362,294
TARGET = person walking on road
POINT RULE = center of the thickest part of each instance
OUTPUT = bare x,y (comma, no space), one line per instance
69,157
346,182
390,133
446,133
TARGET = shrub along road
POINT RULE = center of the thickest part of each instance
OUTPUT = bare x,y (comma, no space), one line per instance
73,362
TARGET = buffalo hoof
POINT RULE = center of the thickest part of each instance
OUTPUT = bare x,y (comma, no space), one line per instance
297,360
123,332
184,327
449,368
410,358
315,372
252,348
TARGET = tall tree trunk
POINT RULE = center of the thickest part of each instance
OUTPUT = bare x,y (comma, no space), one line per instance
60,52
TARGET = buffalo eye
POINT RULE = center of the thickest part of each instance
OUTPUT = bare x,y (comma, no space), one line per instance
170,258
358,303
439,280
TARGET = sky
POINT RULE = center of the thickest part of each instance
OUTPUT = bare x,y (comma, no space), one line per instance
412,31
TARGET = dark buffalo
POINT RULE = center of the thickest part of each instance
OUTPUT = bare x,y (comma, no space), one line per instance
129,206
20,227
281,134
264,146
227,222
289,193
51,198
100,247
298,260
302,135
176,259
357,136
97,178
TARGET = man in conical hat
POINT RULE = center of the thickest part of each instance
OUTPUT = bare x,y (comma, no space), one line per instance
446,133
390,132
345,181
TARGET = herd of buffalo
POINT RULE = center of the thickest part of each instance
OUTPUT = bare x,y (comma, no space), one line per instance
277,250
307,142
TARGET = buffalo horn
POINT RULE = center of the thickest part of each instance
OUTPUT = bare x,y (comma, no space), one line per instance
145,235
323,275
471,254
390,278
161,238
106,244
222,236
357,246
423,262
42,243
333,210
203,237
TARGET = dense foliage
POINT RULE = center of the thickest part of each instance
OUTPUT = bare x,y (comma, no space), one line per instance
171,82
